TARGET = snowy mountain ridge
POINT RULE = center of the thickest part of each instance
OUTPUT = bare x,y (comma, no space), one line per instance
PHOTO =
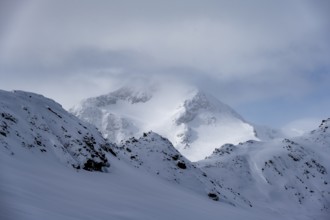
156,155
128,94
45,154
34,122
292,170
194,121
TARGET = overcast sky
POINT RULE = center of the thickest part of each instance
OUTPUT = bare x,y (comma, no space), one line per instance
270,60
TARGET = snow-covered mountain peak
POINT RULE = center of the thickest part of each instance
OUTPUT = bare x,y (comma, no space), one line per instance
202,103
202,100
133,95
194,121
130,95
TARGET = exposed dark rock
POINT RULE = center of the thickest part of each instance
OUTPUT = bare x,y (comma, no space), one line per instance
91,165
51,110
181,165
175,157
213,196
8,117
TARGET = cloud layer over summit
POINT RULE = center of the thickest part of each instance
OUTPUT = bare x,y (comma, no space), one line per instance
262,57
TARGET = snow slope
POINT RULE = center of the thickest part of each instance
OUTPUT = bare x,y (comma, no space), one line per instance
192,120
34,122
32,187
156,155
46,153
291,176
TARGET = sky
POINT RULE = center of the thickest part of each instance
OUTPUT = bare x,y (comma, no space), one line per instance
269,60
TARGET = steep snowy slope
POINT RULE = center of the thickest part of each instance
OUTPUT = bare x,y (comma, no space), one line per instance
156,155
193,121
291,176
41,125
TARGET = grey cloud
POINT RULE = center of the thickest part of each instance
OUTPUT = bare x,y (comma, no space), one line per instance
241,50
8,10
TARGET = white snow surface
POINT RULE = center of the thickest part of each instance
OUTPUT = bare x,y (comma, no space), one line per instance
290,175
195,122
34,122
46,155
35,187
157,155
43,150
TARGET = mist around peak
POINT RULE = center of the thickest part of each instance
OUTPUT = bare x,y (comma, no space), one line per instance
193,120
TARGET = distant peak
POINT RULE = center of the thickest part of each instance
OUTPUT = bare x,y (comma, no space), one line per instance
205,100
200,100
131,95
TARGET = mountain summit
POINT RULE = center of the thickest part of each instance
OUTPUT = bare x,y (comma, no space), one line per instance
194,121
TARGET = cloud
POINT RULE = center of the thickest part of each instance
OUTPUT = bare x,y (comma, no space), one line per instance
301,126
241,51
